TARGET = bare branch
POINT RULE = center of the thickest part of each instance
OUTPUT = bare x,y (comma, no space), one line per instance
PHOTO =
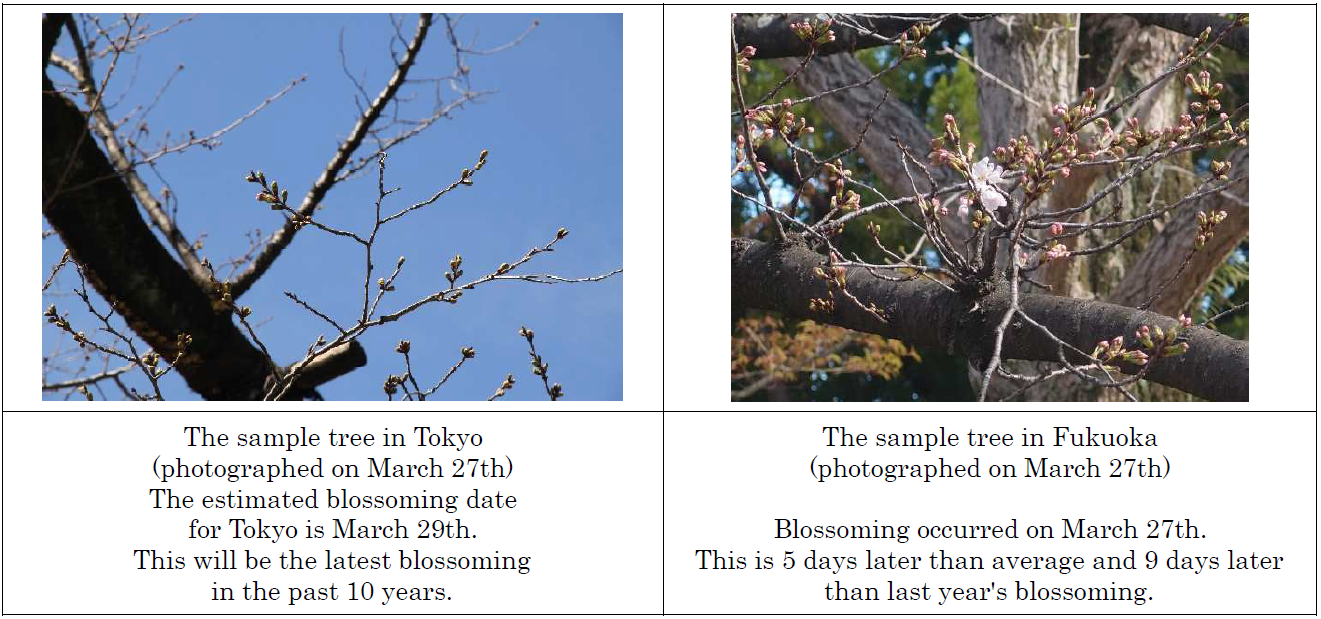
342,156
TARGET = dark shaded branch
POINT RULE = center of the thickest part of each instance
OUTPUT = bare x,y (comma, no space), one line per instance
99,222
1193,24
780,278
771,35
50,34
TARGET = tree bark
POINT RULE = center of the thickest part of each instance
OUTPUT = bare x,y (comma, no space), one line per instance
780,277
847,111
1193,24
771,35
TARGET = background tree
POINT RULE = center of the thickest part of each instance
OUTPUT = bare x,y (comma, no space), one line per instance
417,238
877,90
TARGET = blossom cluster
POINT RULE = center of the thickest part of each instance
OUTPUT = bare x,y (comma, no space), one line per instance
744,58
814,32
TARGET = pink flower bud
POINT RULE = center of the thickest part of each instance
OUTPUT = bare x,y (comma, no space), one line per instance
1057,228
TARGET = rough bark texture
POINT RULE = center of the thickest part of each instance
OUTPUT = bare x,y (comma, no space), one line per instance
771,35
1036,55
780,277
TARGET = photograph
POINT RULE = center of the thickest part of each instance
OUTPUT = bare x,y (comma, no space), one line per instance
332,207
989,207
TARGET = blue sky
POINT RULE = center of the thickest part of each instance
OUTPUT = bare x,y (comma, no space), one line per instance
554,132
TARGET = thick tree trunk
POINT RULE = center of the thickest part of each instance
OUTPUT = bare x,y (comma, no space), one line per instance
780,277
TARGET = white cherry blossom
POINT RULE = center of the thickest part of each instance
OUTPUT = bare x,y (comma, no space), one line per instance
986,175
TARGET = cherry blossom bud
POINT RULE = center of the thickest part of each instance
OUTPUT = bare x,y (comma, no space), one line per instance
1057,228
1144,336
1176,350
